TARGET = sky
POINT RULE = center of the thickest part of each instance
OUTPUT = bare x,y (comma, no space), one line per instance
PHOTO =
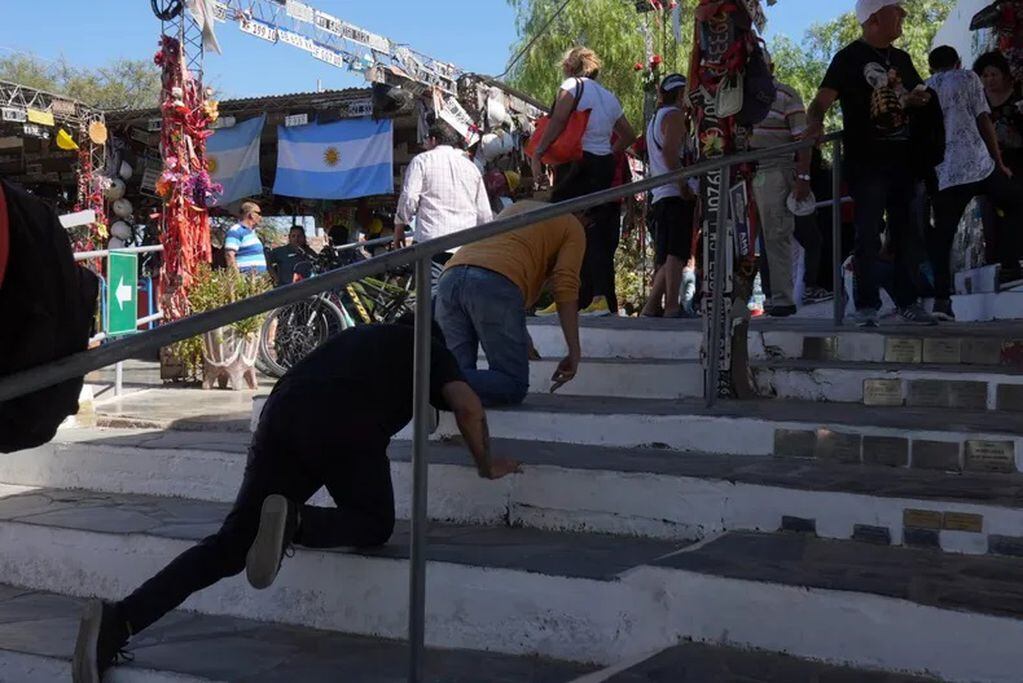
476,35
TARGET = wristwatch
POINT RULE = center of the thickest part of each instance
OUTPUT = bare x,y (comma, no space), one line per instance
803,176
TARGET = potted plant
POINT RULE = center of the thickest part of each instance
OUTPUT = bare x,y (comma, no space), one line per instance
228,353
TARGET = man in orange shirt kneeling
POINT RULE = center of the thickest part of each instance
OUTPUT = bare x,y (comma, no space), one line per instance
486,288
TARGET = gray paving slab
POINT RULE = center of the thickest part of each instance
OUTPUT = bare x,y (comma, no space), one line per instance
576,555
700,663
696,663
794,473
819,413
984,583
185,409
226,648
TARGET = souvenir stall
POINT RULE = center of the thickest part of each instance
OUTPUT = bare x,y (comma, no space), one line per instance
731,90
56,147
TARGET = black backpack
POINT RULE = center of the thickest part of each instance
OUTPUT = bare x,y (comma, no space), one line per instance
47,305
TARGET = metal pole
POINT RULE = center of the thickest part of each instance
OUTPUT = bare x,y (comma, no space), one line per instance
118,377
421,425
838,282
710,388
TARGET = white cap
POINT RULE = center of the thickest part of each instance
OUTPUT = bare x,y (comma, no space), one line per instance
865,9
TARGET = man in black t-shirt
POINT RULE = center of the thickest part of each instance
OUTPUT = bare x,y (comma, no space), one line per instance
294,258
327,423
878,87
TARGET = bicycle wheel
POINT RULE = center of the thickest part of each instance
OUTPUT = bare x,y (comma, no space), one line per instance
290,333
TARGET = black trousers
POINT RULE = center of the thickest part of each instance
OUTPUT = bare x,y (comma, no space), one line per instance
591,174
294,452
949,205
880,191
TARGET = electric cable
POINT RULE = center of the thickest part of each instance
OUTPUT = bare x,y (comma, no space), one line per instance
533,40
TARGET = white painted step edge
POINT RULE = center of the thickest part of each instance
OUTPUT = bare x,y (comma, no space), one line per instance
525,613
545,497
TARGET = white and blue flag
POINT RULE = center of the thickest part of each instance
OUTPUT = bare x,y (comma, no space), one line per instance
341,160
232,155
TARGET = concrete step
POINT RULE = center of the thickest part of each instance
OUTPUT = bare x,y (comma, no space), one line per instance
626,377
517,591
991,343
929,385
654,493
578,597
38,630
759,427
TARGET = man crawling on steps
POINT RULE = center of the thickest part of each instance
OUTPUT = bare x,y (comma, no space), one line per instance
327,423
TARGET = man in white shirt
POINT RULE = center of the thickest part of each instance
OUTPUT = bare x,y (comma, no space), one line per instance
443,190
973,166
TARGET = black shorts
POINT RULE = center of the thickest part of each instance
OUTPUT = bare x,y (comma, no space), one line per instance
672,221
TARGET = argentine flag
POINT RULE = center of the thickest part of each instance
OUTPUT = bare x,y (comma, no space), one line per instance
232,155
341,160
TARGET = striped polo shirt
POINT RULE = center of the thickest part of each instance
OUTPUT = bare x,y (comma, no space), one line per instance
247,247
785,122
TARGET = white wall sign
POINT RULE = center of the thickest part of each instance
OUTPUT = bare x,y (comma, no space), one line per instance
299,10
328,23
225,122
297,40
296,120
259,29
73,220
36,131
459,119
13,114
154,125
220,11
329,56
359,108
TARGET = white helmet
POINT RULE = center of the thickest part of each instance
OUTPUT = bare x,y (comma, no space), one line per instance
116,243
121,230
126,170
115,190
802,208
122,208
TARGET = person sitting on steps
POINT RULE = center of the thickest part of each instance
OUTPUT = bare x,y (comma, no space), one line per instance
328,423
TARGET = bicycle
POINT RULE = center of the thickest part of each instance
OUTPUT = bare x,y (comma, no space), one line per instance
290,333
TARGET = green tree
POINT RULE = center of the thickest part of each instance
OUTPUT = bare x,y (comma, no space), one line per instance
803,65
121,84
613,28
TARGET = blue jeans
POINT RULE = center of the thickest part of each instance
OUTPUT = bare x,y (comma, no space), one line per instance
478,306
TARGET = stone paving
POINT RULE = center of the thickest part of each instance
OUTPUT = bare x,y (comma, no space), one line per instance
988,584
232,649
577,555
696,663
188,409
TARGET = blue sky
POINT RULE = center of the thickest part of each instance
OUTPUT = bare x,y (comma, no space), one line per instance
474,34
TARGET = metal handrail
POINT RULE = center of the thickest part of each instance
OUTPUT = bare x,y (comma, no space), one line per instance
100,253
78,364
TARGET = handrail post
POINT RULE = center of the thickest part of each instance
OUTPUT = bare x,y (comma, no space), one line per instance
838,281
715,338
421,431
118,377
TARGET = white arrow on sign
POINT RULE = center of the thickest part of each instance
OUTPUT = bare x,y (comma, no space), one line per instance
122,293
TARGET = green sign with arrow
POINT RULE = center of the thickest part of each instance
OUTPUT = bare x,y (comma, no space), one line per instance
122,293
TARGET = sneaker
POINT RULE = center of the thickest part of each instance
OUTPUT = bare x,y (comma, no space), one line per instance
597,308
916,315
780,311
102,635
816,295
278,522
550,310
866,317
943,310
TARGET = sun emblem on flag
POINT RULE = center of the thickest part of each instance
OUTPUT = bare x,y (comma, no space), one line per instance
211,164
331,156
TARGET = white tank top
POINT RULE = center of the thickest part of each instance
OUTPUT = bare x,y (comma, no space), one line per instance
656,153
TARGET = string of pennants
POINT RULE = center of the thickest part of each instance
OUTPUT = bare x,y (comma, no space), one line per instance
337,42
